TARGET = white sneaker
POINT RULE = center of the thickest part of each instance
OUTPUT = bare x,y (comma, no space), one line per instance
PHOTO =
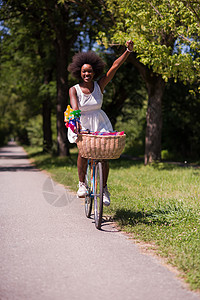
106,196
82,190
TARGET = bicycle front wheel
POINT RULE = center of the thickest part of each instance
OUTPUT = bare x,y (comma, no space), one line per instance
98,194
88,198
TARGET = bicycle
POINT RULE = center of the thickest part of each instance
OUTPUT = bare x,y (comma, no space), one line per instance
97,149
94,184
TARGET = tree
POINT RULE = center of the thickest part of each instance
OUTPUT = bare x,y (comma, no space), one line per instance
166,44
30,55
58,25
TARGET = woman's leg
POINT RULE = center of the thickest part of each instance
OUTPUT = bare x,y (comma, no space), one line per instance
82,168
106,194
105,172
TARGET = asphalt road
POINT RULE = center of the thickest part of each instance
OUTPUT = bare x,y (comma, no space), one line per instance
50,250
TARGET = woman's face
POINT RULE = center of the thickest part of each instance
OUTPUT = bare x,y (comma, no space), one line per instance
87,73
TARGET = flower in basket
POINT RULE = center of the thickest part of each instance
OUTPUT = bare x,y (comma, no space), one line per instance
104,133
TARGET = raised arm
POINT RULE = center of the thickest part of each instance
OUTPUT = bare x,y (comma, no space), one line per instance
117,63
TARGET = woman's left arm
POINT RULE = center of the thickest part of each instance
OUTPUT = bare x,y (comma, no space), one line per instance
117,63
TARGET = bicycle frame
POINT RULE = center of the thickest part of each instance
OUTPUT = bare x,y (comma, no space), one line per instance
95,191
92,163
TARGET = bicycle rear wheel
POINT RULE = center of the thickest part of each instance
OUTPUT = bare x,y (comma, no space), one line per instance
88,198
98,194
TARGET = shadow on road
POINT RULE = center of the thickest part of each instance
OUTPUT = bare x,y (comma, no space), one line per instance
107,224
13,159
17,168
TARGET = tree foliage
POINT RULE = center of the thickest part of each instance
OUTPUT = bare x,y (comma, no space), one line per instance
20,80
166,45
165,34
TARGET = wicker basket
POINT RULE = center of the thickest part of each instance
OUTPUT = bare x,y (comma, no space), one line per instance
101,146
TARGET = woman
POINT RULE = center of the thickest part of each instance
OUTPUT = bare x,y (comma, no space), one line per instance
88,97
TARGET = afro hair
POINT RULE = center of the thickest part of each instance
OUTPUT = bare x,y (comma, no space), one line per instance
90,58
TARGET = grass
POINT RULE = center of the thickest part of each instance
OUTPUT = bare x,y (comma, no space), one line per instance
158,204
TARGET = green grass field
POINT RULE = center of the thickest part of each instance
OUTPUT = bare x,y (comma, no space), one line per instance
158,204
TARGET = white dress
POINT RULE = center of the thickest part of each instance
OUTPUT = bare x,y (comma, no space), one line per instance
92,116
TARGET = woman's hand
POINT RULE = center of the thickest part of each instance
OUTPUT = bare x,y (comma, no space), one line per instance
78,127
129,45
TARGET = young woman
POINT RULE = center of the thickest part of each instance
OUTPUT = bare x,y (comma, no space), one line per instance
88,97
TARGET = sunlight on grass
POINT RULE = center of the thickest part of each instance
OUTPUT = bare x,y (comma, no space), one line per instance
161,205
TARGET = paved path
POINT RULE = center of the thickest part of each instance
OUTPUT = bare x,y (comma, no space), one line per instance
50,250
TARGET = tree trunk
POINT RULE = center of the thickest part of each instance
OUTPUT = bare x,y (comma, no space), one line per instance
155,88
62,96
46,115
47,132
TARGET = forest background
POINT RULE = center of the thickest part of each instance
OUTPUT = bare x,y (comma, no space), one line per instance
154,96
